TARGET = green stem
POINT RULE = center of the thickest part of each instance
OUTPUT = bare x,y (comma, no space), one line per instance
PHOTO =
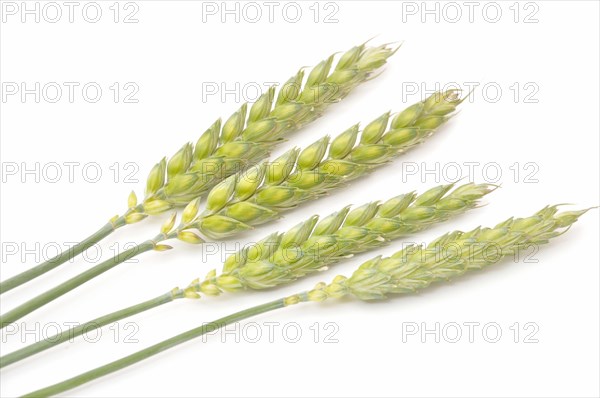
57,260
65,287
155,349
86,327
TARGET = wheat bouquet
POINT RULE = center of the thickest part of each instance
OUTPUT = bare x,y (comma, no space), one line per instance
242,190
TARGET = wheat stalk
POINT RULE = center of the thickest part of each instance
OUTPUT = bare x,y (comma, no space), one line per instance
310,246
262,197
246,137
406,271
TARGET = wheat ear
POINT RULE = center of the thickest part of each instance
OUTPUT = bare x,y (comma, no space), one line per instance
447,257
373,280
246,137
310,246
261,193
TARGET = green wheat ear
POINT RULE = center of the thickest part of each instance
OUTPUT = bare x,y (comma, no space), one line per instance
249,134
311,245
261,193
447,257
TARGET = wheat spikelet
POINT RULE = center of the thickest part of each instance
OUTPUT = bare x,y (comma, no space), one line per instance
261,193
311,245
248,135
450,255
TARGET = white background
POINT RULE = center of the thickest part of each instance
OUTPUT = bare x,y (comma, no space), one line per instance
170,53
